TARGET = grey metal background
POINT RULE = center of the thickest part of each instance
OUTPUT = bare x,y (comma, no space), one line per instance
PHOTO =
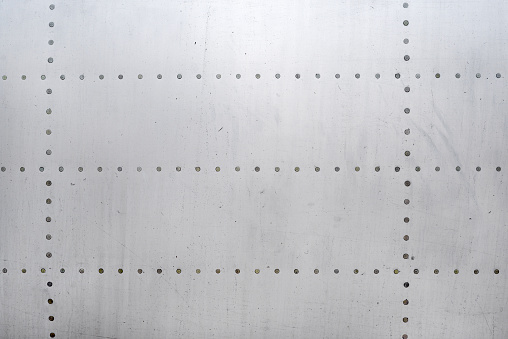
140,218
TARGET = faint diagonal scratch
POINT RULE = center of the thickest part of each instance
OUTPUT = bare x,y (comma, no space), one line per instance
484,317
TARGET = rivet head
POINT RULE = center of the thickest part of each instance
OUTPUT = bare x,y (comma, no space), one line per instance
51,24
277,169
405,22
159,271
257,169
197,169
256,271
178,271
436,271
159,76
237,168
51,7
296,271
376,271
316,271
237,271
178,168
217,271
276,271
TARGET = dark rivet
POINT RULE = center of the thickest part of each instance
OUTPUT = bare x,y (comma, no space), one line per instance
277,169
159,169
437,169
397,75
336,271
296,271
406,57
81,271
456,271
237,271
49,284
120,76
257,169
457,75
337,169
377,169
101,270
457,168
21,169
48,236
406,89
99,169
397,168
277,76
476,271
405,302
48,111
405,319
406,237
498,169
50,60
51,318
406,284
50,301
357,75
140,271
405,256
48,219
316,271
49,255
436,271
49,91
407,153
416,271
405,23
80,169
438,75
498,75
406,201
478,169
496,271
62,270
159,76
297,76
48,201
407,110
376,271
407,183
51,42
406,220
140,76
159,271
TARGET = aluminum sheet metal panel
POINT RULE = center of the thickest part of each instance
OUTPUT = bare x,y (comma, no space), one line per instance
253,169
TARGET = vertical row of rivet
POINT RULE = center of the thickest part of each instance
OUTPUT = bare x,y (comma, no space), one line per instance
406,183
51,317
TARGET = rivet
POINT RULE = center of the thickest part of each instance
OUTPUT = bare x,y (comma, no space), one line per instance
139,169
277,169
297,169
179,76
406,220
438,75
159,271
498,75
48,219
337,169
52,335
48,236
478,169
49,283
217,169
407,110
217,271
357,169
198,271
51,7
120,271
4,270
48,183
237,271
119,169
258,76
317,169
3,169
337,76
256,271
23,270
41,169
405,23
456,271
178,271
406,201
457,75
405,5
296,271
406,89
48,111
476,271
377,76
498,169
396,271
158,169
407,131
357,75
406,41
316,271
140,76
49,91
140,271
406,284
407,183
405,256
50,42
277,76
51,318
377,169
318,76
478,75
99,169
101,270
21,169
355,271
406,237
238,76
276,271
178,168
457,168
43,77
62,270
198,76
397,169
417,168
405,319
437,168
48,201
237,168
218,76
101,77
120,76
81,271
43,270
297,76
81,77
336,271
80,169
436,271
417,75
48,152
376,271
496,271
159,76
257,169
416,271
397,75
406,57
50,60
407,153
50,301
405,302
197,169
51,24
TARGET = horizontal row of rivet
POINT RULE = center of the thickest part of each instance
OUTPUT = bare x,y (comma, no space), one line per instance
257,76
257,271
257,169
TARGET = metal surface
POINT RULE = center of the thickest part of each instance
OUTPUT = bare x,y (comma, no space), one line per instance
261,169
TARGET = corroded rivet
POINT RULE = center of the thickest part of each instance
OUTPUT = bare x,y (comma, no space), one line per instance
276,271
178,271
237,168
120,270
43,270
496,271
436,271
406,237
355,271
256,271
217,169
159,271
405,256
23,270
438,75
217,271
48,183
396,271
377,169
405,319
317,169
405,302
198,271
140,271
50,301
456,271
51,318
237,271
297,169
296,271
101,270
197,169
277,169
357,169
